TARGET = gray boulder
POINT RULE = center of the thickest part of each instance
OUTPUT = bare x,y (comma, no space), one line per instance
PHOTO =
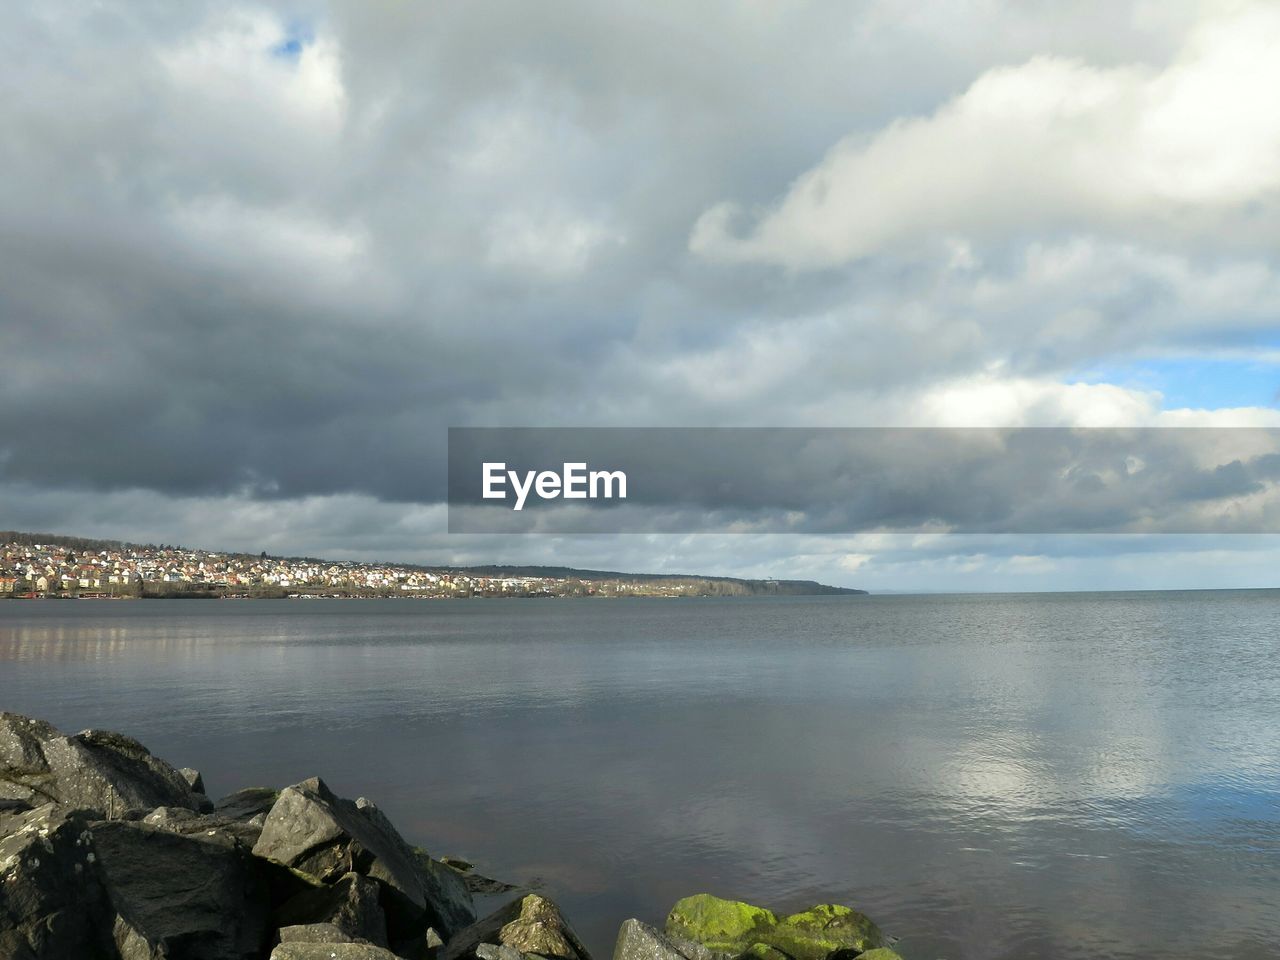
639,941
188,823
496,951
247,804
352,905
531,924
312,830
95,770
24,774
282,883
314,933
113,773
52,905
331,951
196,782
20,739
179,896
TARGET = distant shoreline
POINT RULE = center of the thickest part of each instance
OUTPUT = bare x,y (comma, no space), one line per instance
477,596
53,565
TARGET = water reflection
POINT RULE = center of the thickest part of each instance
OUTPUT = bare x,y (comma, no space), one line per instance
1012,776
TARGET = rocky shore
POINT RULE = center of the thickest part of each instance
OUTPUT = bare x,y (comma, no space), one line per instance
110,853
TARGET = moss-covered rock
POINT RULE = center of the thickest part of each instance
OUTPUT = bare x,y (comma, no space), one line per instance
879,953
729,925
755,933
815,933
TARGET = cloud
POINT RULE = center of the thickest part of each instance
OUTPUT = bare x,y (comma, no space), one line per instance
1053,143
553,244
262,255
230,66
1003,401
1062,480
280,243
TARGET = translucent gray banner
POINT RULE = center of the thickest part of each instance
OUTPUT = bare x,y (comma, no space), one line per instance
832,480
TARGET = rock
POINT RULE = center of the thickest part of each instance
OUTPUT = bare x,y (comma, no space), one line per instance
475,883
95,770
445,887
170,876
25,780
639,941
113,773
20,740
824,929
179,896
425,947
446,892
724,925
196,782
531,924
171,817
331,951
472,881
739,928
492,951
487,886
314,933
188,823
352,905
52,905
542,929
21,790
312,830
463,944
248,803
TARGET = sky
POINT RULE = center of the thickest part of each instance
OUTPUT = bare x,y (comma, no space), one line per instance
255,259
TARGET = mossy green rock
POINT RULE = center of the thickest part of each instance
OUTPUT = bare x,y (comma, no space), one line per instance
729,925
755,933
879,953
821,930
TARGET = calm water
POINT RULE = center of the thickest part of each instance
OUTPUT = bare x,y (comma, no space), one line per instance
1059,776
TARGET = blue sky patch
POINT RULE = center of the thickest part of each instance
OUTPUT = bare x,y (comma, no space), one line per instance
296,37
1198,382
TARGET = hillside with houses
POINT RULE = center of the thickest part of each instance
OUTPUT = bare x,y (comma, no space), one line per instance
34,566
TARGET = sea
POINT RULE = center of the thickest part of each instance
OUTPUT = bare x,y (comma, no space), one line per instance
1072,775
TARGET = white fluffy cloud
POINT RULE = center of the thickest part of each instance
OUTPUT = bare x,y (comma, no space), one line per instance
1052,143
222,67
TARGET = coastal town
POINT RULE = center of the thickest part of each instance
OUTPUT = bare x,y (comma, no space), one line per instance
49,570
35,566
